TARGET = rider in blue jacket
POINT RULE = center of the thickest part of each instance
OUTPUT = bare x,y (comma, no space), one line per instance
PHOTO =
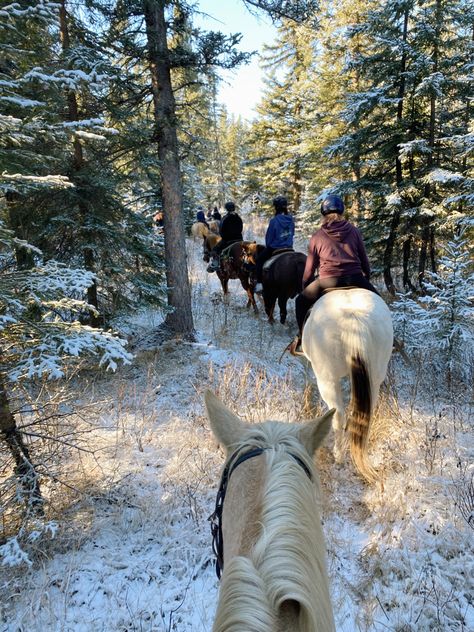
280,234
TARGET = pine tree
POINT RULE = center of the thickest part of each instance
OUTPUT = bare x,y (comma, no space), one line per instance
278,160
444,312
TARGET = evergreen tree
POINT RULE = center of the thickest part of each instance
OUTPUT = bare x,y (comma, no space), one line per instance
445,312
278,158
88,221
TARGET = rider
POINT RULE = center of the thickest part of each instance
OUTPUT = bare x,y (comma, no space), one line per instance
280,233
216,215
230,230
200,217
337,251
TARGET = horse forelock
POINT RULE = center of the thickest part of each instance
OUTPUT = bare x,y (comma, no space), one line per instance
286,565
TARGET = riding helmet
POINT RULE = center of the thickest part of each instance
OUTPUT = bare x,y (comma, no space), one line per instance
229,207
332,204
280,203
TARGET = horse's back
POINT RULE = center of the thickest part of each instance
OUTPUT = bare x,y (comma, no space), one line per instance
343,319
286,271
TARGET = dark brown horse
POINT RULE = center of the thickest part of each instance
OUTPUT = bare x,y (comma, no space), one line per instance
236,262
282,279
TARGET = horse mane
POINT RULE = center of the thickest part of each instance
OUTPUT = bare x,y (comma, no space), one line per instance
286,569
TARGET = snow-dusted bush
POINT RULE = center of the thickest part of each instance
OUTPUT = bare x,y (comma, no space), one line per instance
42,339
40,314
442,320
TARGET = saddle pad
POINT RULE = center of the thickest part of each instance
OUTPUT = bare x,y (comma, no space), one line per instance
273,258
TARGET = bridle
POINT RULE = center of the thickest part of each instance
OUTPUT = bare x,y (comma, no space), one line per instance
216,518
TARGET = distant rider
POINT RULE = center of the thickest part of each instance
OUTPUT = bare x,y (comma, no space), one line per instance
280,234
230,230
337,251
200,217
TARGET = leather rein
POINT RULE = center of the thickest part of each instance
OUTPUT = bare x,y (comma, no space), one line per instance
216,517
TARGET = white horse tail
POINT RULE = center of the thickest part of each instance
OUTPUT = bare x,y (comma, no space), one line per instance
360,415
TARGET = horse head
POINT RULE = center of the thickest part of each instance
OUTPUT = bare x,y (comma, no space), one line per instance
266,526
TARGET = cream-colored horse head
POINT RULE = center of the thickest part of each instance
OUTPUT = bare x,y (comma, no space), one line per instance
274,577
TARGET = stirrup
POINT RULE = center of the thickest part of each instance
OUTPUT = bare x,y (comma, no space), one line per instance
293,347
213,266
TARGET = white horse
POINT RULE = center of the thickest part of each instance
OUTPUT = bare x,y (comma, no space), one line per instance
350,333
269,526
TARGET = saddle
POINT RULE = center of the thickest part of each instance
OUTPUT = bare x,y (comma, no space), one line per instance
343,287
276,255
225,253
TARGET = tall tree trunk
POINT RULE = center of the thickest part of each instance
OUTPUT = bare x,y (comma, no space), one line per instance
406,260
297,188
73,115
427,227
180,320
24,468
390,244
24,257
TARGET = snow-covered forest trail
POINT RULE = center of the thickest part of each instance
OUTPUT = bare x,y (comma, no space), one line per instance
135,551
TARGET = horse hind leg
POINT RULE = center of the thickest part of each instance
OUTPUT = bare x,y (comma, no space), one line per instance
269,301
331,392
282,305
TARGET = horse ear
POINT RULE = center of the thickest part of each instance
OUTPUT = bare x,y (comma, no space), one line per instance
226,426
314,432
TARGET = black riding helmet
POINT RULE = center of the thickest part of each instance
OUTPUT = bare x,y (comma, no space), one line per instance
281,204
229,207
332,204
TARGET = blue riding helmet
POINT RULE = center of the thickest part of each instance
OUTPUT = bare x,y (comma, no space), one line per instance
332,204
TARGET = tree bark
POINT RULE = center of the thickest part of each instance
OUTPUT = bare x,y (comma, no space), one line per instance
427,233
24,468
78,163
391,239
180,320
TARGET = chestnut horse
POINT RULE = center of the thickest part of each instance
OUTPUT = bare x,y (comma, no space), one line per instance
236,262
282,279
267,526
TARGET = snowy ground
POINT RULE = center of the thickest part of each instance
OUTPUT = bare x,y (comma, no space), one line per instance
133,553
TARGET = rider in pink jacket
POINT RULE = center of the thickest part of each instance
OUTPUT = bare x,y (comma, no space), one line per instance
337,253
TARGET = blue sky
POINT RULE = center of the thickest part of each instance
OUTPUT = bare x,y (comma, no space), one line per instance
241,89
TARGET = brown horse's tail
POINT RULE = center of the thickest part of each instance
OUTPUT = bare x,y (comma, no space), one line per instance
359,418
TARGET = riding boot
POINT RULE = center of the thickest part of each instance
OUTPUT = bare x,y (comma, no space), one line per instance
295,346
213,265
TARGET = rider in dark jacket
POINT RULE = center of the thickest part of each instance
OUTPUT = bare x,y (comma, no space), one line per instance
280,234
230,230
